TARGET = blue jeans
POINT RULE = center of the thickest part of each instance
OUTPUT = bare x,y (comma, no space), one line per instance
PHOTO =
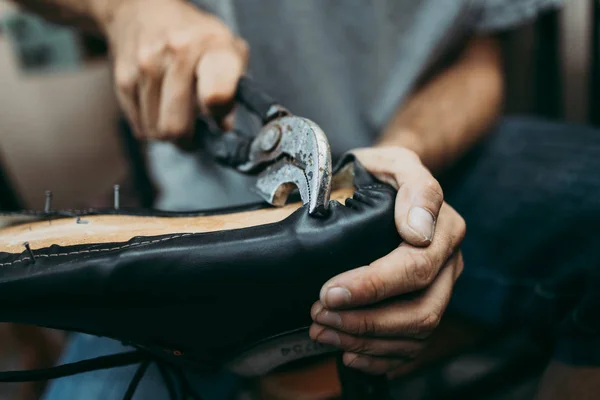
530,194
111,384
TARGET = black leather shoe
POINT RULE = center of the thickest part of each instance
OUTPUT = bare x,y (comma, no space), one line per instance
235,298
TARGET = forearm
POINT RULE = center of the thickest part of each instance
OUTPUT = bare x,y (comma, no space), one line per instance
89,15
451,112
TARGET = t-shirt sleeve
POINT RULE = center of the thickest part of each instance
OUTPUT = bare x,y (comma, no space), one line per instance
495,15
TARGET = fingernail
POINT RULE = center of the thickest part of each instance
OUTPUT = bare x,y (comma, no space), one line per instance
421,220
316,310
337,296
329,337
329,318
360,363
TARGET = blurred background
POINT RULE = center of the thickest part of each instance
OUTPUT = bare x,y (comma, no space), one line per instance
60,127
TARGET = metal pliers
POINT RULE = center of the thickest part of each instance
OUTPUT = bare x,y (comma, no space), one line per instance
288,152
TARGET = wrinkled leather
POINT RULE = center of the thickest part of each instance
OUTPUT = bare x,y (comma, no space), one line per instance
202,298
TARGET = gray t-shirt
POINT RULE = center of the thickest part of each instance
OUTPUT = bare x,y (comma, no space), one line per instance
348,65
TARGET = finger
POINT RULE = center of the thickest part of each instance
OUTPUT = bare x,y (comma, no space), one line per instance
228,122
406,269
218,72
152,66
415,317
177,104
126,92
401,348
371,365
460,266
126,88
420,196
418,203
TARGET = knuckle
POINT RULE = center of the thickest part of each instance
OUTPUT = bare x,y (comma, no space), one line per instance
171,130
218,96
461,227
125,79
359,346
460,268
433,191
429,322
407,350
215,34
366,326
146,59
213,27
180,41
179,48
242,47
376,287
420,268
456,235
460,264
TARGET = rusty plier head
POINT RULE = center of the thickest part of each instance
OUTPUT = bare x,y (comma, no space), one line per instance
296,154
288,152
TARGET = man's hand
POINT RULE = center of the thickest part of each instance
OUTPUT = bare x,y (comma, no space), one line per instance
381,313
172,60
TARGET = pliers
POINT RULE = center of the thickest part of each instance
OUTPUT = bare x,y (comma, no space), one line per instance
288,152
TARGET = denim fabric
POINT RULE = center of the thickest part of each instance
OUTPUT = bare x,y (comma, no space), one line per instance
112,383
530,195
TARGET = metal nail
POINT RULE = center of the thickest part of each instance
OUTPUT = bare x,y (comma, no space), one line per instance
26,244
116,197
48,205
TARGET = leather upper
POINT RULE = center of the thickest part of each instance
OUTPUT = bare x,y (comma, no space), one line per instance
201,299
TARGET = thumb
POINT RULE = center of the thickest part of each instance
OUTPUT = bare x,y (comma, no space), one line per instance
419,196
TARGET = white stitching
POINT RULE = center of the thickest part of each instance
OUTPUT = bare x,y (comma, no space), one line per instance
98,250
372,186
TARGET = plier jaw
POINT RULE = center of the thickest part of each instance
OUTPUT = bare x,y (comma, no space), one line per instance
293,153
